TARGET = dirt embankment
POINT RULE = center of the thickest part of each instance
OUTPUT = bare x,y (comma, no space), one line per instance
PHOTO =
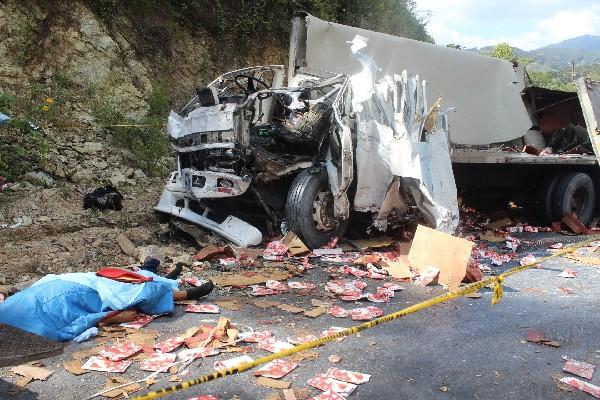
65,67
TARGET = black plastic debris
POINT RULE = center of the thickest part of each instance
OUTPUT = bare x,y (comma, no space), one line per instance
104,198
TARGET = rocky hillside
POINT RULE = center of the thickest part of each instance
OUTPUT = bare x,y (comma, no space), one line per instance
88,85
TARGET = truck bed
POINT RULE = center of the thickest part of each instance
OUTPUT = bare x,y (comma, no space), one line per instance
491,156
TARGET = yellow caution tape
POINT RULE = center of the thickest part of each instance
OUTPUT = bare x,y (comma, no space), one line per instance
462,291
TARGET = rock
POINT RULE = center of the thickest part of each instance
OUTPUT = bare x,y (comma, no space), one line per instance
126,245
83,176
139,175
473,273
39,178
90,148
117,178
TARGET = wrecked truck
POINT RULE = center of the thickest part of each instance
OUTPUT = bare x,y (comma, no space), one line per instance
352,134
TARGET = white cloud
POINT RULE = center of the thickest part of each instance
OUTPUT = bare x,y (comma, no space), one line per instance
527,24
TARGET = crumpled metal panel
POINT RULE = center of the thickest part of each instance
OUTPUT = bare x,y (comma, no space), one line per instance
391,142
589,97
485,91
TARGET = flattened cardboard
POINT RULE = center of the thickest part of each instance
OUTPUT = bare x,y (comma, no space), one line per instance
446,252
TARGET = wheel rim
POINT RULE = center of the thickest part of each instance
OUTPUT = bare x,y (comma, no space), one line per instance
323,211
579,201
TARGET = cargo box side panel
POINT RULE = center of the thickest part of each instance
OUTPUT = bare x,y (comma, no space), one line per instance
486,92
589,97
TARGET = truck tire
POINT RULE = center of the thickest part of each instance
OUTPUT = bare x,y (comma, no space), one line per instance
545,198
309,209
575,192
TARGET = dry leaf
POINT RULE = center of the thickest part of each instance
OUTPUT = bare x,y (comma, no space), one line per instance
150,381
290,308
20,385
272,383
303,355
288,394
37,373
173,369
118,381
74,367
315,312
443,388
174,378
320,303
334,358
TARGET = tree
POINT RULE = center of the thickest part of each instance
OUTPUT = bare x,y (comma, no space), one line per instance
503,51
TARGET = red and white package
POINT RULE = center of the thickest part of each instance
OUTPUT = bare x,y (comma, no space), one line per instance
332,243
328,395
366,313
232,362
531,229
302,339
103,365
158,362
274,346
194,281
258,290
166,346
205,397
331,331
528,259
356,378
229,261
427,277
325,383
254,337
139,322
359,273
579,368
556,246
568,273
276,369
276,285
202,308
340,286
392,286
583,386
375,273
275,248
120,351
301,285
199,352
383,295
338,312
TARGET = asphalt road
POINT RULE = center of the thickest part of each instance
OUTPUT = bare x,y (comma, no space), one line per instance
474,349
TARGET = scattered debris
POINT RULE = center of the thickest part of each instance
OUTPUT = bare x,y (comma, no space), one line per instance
334,358
581,385
448,253
536,336
37,373
272,383
276,369
573,223
568,273
579,368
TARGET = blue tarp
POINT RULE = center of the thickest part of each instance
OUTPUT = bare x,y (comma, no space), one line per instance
60,307
3,119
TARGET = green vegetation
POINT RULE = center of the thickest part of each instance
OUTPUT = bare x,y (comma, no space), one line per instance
251,20
22,141
144,138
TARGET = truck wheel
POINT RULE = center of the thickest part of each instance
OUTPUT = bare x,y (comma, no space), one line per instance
546,191
309,210
575,193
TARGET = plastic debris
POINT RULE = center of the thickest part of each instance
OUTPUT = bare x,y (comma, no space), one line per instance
274,346
158,362
120,351
276,369
579,368
104,365
568,273
582,385
202,308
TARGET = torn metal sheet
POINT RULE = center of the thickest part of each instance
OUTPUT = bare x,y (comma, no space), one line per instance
391,114
589,96
468,81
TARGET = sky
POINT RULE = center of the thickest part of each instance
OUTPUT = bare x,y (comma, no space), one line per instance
527,24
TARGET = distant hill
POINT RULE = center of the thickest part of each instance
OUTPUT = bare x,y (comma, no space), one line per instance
582,49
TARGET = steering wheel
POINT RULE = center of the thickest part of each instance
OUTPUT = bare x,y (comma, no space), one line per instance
249,88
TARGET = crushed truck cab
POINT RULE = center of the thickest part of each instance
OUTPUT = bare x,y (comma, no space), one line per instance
310,153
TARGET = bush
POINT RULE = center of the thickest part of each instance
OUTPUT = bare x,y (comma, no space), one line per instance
22,145
145,139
